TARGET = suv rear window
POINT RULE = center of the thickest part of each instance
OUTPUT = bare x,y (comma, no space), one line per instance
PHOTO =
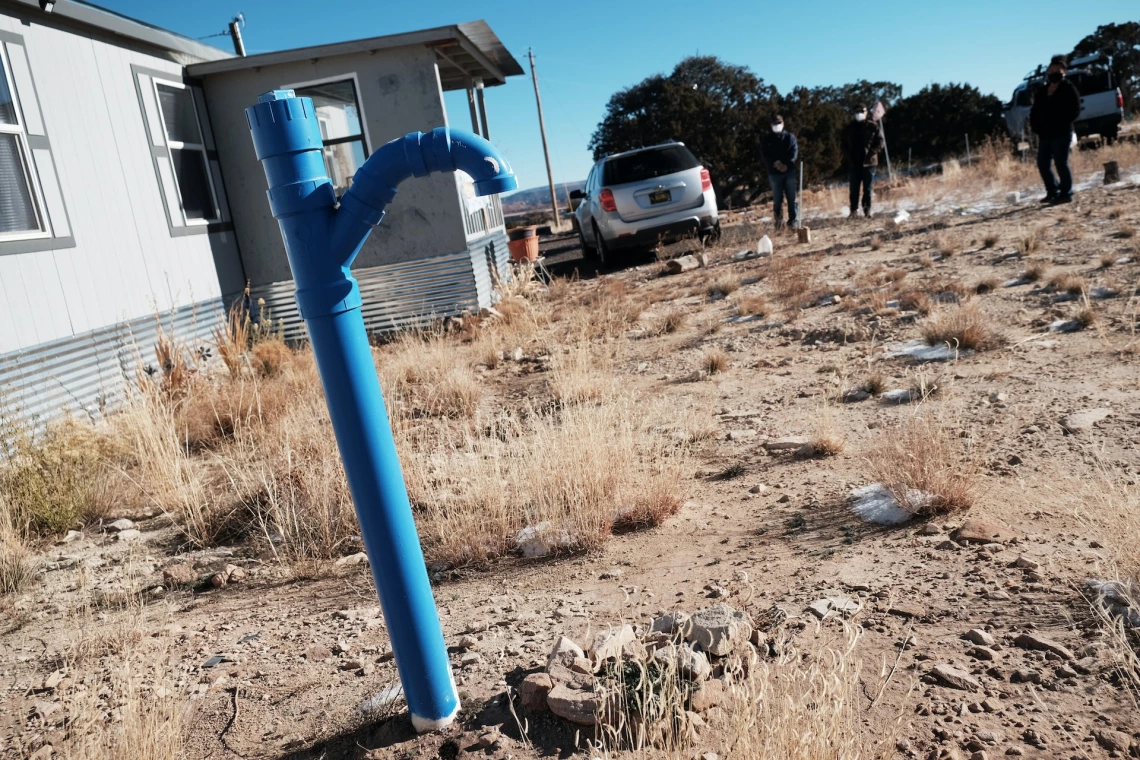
647,164
1091,82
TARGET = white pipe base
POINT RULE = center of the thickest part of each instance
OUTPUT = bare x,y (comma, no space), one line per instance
424,725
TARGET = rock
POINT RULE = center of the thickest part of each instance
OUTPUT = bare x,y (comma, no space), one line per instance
318,653
899,396
980,755
1083,420
470,659
702,259
466,642
181,574
671,623
718,629
1015,751
130,534
577,705
690,663
1034,738
582,666
955,678
840,605
534,690
677,266
541,539
359,613
713,693
564,653
992,705
1026,564
54,679
929,529
121,524
787,443
982,653
1113,741
983,532
45,752
906,610
740,435
72,535
758,488
360,558
855,395
876,504
1033,641
978,636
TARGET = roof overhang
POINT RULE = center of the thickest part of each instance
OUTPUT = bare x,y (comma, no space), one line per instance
92,16
465,53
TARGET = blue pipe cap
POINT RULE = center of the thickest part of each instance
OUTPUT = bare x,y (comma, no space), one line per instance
496,185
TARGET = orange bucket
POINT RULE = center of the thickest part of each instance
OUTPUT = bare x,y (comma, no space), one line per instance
522,242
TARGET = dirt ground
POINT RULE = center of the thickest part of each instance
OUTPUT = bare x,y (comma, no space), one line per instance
759,529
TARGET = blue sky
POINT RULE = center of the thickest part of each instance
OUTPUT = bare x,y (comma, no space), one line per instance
585,50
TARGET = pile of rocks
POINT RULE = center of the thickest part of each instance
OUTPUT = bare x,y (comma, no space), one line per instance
688,645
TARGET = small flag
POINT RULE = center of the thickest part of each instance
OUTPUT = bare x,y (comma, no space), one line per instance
878,111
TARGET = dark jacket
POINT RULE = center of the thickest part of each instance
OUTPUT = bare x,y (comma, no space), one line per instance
862,143
779,147
1052,116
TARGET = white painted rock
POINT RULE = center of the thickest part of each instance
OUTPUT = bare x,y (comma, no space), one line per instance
542,539
718,629
613,643
875,504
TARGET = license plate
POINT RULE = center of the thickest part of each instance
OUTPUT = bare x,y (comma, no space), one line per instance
660,196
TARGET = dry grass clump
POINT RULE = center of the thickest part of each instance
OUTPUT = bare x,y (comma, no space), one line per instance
916,300
876,243
1067,282
672,321
1034,272
895,275
1086,316
1125,232
800,705
582,374
875,384
962,328
421,377
725,285
793,280
751,305
714,361
607,311
52,480
945,246
1029,242
990,240
570,474
1108,259
985,285
16,565
925,468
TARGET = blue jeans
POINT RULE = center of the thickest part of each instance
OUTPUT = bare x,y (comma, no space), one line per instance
784,184
865,176
1055,150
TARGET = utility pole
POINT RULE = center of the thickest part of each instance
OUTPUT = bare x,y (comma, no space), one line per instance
545,149
235,33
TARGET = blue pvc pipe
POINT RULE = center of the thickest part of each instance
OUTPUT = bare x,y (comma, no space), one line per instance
321,240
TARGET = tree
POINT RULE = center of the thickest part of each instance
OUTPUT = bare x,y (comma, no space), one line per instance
861,93
1122,42
718,110
817,120
934,121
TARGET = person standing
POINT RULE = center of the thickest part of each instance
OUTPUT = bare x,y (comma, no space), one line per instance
1056,105
861,144
780,152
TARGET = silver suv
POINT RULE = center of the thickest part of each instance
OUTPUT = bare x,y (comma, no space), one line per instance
643,197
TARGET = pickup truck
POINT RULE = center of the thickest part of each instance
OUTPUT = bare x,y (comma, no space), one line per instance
1102,105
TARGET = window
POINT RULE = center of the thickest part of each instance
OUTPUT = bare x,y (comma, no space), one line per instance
21,215
338,113
187,152
648,164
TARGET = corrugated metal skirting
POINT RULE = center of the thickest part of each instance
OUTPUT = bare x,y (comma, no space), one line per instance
408,293
84,375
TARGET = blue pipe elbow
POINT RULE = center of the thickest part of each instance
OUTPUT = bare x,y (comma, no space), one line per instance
416,154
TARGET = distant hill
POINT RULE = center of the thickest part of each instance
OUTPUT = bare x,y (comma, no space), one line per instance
538,197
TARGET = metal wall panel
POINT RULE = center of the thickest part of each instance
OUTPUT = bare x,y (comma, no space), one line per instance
407,294
85,375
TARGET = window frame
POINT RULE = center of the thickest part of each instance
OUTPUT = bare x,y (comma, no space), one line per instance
172,145
20,130
363,137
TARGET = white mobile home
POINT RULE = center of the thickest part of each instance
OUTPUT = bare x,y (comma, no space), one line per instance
129,191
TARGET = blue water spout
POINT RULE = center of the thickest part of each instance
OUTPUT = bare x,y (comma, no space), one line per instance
321,240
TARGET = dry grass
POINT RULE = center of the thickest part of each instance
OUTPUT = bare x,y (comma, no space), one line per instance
1035,271
876,243
581,374
916,300
749,305
724,285
714,361
985,285
962,328
1108,259
672,321
1125,231
991,240
1030,242
606,311
875,384
924,466
1066,282
421,377
17,567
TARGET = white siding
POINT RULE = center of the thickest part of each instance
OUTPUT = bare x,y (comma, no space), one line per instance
125,263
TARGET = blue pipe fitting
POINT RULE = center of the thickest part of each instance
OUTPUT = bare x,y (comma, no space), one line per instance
321,240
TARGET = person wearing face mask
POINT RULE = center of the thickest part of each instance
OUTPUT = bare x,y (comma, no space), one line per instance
1056,105
861,144
780,153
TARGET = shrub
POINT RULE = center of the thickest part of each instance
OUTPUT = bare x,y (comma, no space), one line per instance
925,468
962,328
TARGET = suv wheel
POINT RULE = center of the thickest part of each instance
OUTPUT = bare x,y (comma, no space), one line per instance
588,251
605,256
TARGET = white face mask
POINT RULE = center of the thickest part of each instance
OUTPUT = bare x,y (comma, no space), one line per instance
777,128
860,117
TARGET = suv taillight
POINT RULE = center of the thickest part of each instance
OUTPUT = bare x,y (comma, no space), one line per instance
607,199
1119,99
706,180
